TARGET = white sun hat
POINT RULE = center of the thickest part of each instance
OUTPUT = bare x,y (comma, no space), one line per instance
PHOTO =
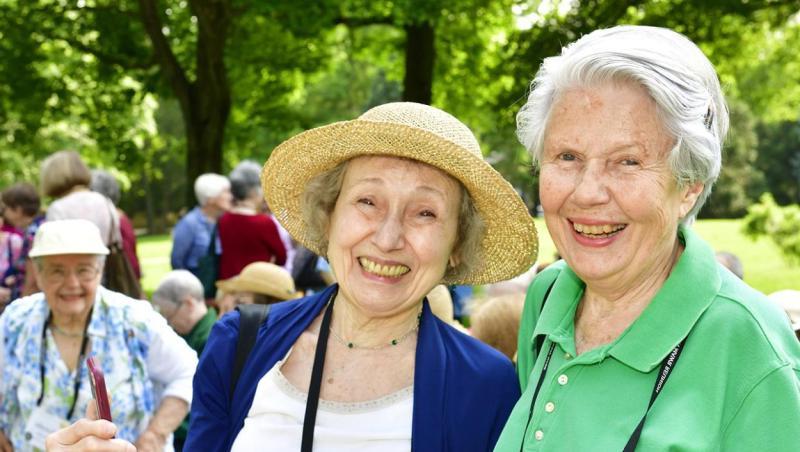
67,237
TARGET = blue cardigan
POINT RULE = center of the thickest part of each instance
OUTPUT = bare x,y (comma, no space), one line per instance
464,390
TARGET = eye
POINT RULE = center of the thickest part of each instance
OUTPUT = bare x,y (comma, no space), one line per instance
567,157
365,201
630,162
427,213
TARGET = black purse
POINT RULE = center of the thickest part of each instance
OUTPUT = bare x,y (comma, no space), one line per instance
208,268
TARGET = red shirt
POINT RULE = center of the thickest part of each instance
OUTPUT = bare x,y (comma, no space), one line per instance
246,239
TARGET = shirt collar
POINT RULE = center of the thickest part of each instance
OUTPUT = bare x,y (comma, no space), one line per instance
556,317
667,320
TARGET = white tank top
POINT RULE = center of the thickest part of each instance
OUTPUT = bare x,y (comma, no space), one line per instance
275,420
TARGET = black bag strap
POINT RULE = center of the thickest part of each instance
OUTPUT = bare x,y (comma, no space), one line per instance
251,317
212,244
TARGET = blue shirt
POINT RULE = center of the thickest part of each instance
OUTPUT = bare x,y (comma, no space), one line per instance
190,239
463,389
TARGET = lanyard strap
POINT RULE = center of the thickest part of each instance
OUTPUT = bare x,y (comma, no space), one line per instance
536,392
43,357
316,379
666,368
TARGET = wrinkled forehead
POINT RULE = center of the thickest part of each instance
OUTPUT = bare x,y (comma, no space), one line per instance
366,166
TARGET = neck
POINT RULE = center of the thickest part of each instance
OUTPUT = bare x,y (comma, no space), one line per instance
197,314
211,212
70,325
364,330
244,208
607,309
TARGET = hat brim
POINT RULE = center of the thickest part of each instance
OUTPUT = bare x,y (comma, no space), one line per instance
61,250
239,284
509,245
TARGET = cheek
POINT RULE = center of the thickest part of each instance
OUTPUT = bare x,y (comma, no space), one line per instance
553,188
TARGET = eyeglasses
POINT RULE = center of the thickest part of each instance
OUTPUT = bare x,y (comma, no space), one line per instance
57,275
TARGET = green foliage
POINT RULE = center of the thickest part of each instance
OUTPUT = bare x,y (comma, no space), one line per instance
779,159
781,224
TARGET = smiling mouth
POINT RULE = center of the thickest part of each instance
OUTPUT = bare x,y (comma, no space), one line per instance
598,231
390,271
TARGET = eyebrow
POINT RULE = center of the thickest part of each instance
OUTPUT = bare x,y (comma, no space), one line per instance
379,181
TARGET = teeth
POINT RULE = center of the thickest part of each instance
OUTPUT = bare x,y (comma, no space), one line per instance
600,229
383,270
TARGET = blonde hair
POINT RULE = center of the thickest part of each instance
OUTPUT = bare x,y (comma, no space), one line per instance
322,191
495,321
63,171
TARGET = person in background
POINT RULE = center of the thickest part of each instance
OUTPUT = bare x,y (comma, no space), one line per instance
246,234
258,283
66,178
45,339
10,253
248,169
22,210
639,337
179,298
789,301
192,234
106,184
731,262
495,321
311,273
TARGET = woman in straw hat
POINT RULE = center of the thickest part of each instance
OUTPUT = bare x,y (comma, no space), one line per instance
398,201
258,283
639,337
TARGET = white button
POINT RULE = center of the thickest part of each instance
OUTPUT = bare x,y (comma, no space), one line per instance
562,379
538,435
567,356
549,407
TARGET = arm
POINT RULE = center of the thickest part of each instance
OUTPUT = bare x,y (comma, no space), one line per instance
181,244
274,243
209,427
168,417
769,416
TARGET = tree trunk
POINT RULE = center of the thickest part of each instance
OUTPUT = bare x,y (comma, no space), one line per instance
420,56
205,102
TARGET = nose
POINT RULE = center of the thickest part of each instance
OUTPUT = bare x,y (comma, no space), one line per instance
591,185
389,234
71,279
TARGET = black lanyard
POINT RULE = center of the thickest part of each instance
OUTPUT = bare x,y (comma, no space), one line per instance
666,368
316,378
43,357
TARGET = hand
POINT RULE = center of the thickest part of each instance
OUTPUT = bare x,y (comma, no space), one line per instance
150,441
5,297
88,434
5,444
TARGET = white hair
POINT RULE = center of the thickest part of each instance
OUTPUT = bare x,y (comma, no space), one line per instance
209,185
176,286
675,73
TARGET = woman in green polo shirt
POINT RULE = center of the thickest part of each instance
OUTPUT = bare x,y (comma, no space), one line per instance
638,338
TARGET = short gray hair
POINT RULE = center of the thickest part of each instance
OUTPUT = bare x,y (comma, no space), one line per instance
176,286
209,185
322,191
675,73
106,184
245,178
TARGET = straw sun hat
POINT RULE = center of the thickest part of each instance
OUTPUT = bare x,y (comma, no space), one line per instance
418,132
261,277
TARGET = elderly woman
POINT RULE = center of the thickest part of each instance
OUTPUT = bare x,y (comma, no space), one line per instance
45,339
398,201
639,337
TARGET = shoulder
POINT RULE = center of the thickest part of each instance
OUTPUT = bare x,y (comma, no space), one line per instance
22,312
136,313
749,322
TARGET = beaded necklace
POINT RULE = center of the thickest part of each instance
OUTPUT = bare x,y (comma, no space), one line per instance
391,343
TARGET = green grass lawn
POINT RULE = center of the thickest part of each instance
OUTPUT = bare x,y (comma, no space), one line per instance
764,266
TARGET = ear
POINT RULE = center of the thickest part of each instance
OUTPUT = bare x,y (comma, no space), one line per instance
689,197
454,261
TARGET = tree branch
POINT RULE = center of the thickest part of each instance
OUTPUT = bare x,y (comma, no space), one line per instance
173,71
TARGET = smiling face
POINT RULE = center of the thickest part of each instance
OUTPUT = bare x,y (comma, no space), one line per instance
69,283
611,203
392,232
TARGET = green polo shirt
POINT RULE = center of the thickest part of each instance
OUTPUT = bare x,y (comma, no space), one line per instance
197,339
735,387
